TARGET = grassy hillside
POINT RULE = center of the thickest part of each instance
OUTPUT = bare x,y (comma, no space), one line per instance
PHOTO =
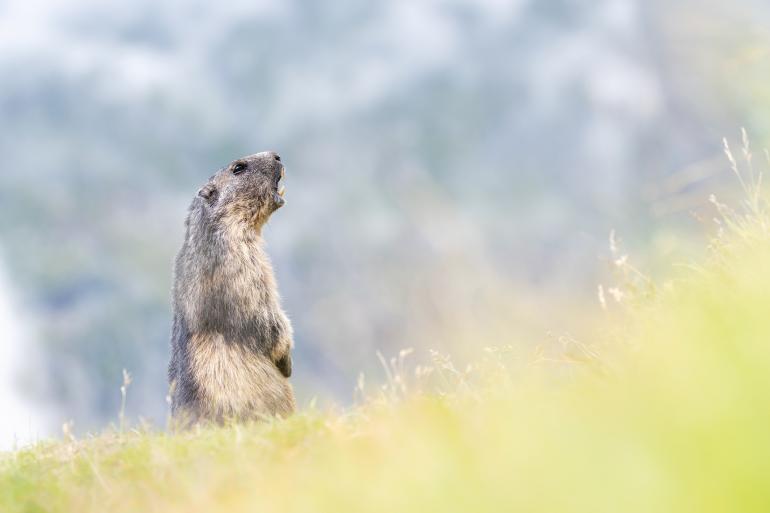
666,410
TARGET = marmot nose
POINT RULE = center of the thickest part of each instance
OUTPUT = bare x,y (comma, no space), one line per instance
274,155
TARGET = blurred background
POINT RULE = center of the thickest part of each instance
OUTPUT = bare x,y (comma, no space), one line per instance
453,171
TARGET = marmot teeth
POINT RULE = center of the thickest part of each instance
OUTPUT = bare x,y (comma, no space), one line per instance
281,191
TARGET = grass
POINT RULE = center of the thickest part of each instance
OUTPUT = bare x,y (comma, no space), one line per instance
666,410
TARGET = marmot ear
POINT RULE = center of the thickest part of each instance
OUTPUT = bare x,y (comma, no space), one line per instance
209,192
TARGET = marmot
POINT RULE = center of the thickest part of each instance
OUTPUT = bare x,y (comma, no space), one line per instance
231,340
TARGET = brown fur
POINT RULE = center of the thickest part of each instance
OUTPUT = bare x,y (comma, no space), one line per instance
231,340
232,379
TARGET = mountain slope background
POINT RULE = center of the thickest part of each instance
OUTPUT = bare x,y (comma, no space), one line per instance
440,156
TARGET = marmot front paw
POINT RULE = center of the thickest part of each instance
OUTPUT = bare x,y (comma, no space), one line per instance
284,365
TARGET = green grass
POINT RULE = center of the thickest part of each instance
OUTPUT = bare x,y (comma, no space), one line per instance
668,409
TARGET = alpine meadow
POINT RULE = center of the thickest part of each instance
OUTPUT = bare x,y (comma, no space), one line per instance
393,256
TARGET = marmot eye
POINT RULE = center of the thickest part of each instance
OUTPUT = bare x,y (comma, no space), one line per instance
239,168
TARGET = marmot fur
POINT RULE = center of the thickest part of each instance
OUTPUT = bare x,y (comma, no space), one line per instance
231,340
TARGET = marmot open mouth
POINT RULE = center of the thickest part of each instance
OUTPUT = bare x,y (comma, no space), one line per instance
280,190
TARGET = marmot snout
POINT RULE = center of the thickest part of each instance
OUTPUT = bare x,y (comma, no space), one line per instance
231,340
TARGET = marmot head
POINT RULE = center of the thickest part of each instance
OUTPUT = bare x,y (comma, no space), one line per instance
248,190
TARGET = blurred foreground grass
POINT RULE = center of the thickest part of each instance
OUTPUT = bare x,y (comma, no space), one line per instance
667,410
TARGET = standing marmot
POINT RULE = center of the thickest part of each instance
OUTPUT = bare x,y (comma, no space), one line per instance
231,341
